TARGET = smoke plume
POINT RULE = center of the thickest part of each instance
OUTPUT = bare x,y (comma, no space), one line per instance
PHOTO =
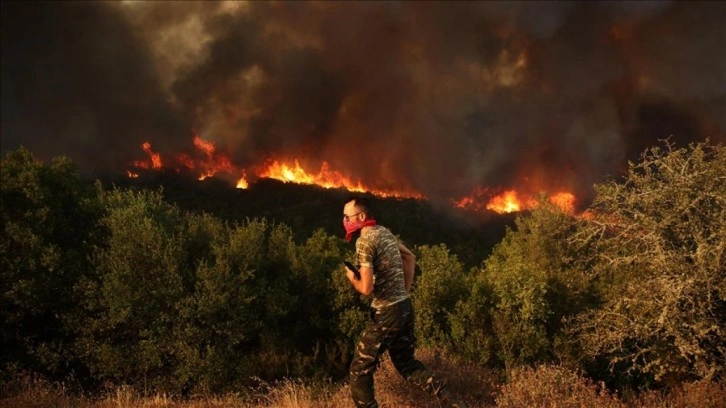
436,97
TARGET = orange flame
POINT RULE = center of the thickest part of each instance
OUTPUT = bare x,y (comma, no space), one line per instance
513,201
509,202
565,201
154,158
325,177
210,165
213,163
205,146
296,174
242,183
210,162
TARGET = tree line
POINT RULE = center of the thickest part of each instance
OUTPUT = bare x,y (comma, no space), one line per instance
117,285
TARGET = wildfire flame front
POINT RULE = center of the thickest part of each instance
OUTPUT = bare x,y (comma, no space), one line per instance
213,163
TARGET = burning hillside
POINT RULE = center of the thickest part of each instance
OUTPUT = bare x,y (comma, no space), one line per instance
211,163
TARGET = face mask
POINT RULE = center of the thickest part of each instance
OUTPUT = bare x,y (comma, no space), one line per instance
352,226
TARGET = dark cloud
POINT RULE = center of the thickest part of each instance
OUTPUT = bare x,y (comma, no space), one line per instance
439,97
76,81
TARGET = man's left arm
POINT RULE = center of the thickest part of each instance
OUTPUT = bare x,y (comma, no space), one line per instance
409,264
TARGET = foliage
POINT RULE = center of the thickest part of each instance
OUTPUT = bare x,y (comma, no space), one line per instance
533,280
438,288
661,245
121,286
49,224
472,334
136,301
470,236
185,302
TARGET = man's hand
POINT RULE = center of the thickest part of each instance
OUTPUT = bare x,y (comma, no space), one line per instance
363,285
351,275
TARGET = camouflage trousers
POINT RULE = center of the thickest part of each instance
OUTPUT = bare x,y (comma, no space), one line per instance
389,329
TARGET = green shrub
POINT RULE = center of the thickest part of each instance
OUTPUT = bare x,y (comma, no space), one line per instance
472,333
535,278
48,226
136,302
440,285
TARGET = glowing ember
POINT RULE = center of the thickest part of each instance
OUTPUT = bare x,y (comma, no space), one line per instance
465,202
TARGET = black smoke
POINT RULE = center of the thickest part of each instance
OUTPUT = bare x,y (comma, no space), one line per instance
438,97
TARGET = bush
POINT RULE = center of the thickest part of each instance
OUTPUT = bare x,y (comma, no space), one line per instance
47,231
472,333
136,302
185,303
533,280
438,288
661,238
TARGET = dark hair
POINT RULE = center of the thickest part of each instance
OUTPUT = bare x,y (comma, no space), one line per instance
362,203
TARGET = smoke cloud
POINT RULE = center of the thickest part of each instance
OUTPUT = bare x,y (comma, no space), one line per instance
436,97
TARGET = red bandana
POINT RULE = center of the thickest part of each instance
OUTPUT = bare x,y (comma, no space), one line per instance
352,226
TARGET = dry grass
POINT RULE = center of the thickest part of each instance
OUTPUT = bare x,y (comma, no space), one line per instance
704,394
545,386
554,386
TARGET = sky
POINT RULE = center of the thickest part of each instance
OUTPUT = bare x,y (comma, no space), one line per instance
436,97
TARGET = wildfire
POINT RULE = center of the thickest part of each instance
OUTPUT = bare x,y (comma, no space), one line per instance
513,201
295,174
325,177
242,182
508,202
208,162
154,158
211,164
565,201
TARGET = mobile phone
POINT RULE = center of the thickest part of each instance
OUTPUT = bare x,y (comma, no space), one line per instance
352,268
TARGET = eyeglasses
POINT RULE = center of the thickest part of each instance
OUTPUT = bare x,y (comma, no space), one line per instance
348,217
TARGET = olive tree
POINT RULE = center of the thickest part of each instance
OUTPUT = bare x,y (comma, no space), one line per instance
134,304
48,226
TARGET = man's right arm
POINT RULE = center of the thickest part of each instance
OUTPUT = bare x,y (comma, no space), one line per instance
363,285
409,264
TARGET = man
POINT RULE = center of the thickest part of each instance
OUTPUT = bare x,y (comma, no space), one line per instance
386,270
